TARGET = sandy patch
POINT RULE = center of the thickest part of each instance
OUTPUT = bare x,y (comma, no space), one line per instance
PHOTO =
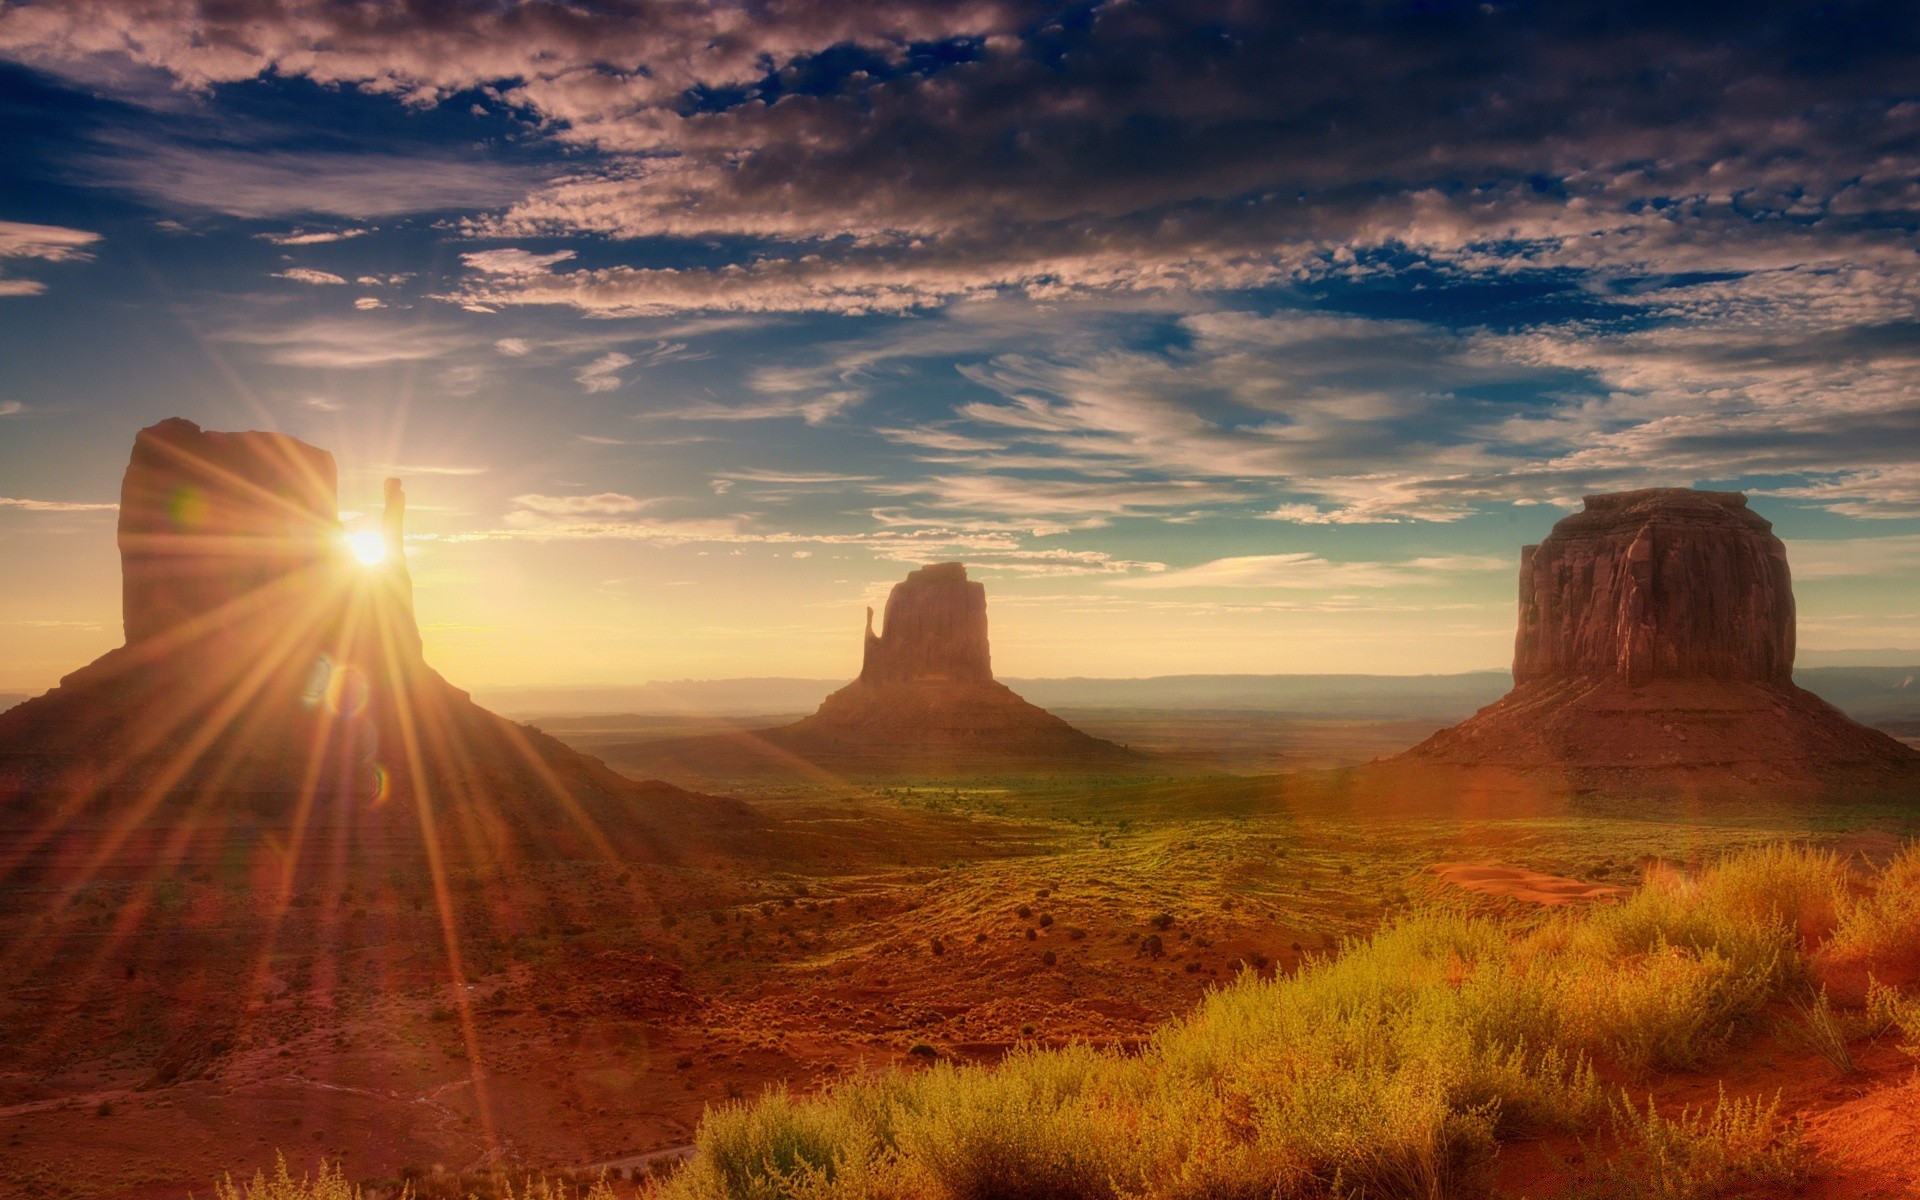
1534,887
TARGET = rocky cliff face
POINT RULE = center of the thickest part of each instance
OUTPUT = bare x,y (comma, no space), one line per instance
1665,583
936,629
1655,643
215,524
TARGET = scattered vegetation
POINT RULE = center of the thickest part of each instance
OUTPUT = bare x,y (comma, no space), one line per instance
329,1182
1390,1070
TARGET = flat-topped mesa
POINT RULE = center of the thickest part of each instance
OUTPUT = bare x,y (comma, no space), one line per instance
211,522
1663,583
1655,649
936,629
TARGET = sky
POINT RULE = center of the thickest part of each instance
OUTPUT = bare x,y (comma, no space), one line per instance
1212,336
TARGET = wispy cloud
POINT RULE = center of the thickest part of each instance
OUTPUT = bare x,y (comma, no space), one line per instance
303,237
1845,558
429,469
601,504
603,373
54,505
45,243
309,275
284,183
347,342
1312,571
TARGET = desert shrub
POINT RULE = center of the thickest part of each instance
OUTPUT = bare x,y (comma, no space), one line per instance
328,1183
1740,1148
1818,1028
1878,934
1889,1011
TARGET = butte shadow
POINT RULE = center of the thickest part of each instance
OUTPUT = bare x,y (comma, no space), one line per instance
1655,653
271,709
925,704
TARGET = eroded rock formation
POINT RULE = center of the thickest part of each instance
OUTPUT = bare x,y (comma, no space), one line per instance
926,698
1656,638
211,523
1664,583
274,679
936,629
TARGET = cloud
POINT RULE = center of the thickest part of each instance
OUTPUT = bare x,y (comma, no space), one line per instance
617,517
49,243
308,275
1311,571
795,477
512,347
514,263
368,303
419,469
346,342
301,237
908,154
43,243
280,183
11,408
603,504
939,439
1846,558
602,374
54,505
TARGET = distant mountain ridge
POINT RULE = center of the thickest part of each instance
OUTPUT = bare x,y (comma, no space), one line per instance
1870,694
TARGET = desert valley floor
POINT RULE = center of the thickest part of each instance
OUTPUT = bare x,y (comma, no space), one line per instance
866,925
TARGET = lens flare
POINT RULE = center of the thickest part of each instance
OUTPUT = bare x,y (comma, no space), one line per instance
318,677
347,691
368,546
186,508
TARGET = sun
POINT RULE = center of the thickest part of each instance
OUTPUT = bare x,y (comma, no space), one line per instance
369,546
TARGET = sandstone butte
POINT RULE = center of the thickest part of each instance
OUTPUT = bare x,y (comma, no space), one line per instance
272,693
1656,640
926,697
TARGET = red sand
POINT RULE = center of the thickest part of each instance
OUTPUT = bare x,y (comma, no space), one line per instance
1520,884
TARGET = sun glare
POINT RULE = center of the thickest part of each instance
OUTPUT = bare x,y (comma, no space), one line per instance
368,546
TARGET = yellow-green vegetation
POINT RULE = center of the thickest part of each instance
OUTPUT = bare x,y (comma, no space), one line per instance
1392,1069
330,1182
1736,1148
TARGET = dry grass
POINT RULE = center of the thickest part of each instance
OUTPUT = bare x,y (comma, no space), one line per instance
1390,1070
1738,1148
